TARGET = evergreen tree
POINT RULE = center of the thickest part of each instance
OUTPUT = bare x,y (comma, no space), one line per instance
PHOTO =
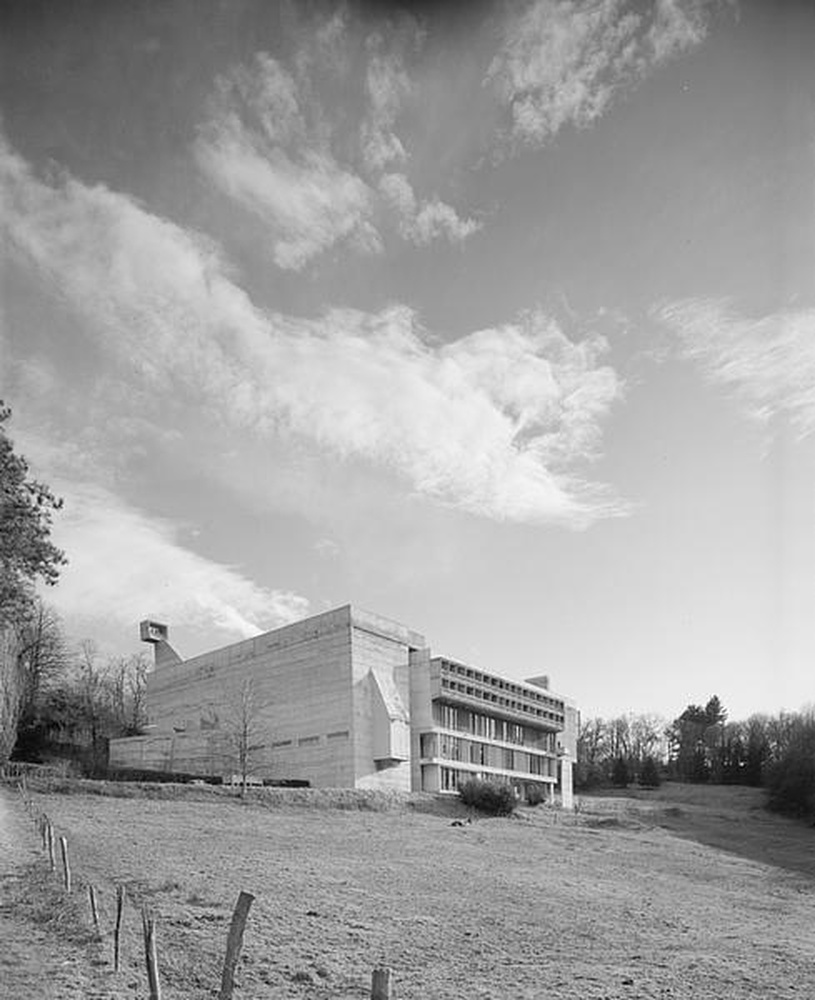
26,550
649,775
26,555
620,776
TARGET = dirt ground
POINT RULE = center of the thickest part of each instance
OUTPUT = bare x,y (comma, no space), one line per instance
681,893
34,962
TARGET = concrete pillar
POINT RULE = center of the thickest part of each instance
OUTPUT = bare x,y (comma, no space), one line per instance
566,787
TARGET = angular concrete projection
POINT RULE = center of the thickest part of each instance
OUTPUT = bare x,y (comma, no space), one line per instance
158,636
391,721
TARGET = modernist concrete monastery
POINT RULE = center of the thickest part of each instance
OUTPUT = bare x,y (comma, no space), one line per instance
348,699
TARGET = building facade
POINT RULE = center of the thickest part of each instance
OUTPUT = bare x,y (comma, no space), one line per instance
347,699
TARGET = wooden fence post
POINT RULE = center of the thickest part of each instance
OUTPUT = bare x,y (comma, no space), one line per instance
117,932
66,865
150,955
381,984
49,834
94,907
234,942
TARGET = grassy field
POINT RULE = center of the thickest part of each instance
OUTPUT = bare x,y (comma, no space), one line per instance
684,892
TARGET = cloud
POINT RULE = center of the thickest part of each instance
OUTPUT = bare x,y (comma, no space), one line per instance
565,62
281,143
497,423
422,222
259,148
767,364
490,424
387,85
125,566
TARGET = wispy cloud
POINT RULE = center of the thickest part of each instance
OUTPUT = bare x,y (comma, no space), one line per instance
260,147
387,84
498,423
565,62
125,565
767,364
277,141
422,222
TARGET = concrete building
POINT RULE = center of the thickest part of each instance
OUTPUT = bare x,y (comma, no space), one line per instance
348,699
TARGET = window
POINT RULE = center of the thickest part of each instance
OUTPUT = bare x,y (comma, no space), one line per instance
449,779
515,733
444,715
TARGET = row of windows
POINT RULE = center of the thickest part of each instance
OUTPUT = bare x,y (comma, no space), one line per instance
489,728
451,779
512,704
439,745
490,680
310,741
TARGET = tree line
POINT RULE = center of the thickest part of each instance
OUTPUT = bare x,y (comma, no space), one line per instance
55,697
701,745
71,700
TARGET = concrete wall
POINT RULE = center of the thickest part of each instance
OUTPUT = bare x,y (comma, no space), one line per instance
331,705
421,710
571,728
300,679
381,683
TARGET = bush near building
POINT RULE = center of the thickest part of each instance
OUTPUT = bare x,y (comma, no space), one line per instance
535,795
490,797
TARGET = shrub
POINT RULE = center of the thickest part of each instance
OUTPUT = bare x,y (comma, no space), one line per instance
588,776
534,795
493,798
649,775
791,783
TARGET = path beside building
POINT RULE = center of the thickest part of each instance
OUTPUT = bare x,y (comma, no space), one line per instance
32,963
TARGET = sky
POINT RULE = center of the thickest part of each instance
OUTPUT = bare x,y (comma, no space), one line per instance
496,319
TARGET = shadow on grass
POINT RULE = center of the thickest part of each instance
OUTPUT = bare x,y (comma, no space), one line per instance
768,839
729,818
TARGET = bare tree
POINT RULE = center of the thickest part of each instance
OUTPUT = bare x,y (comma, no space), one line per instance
91,688
647,738
43,654
593,741
137,687
126,680
245,728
